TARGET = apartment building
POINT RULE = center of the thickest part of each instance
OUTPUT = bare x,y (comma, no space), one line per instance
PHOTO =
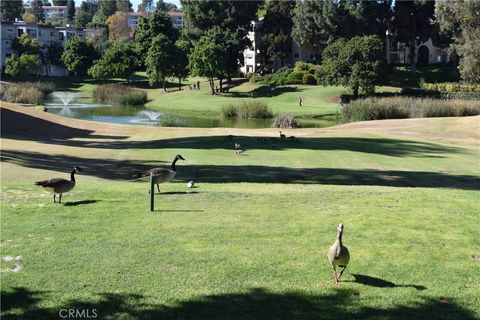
44,33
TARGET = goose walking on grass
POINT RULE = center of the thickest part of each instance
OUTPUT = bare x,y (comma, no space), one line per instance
282,136
59,185
160,175
338,255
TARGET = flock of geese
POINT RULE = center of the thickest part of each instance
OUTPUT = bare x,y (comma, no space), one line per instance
239,149
338,254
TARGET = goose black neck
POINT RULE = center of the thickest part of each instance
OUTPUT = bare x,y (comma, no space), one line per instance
72,175
339,236
173,164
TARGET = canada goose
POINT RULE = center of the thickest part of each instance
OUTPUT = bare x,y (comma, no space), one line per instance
59,185
282,136
190,184
238,146
338,255
160,175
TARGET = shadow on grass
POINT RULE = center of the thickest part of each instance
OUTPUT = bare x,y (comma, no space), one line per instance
78,203
253,304
380,283
123,170
20,126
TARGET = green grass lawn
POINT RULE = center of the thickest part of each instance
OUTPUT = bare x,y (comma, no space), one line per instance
250,241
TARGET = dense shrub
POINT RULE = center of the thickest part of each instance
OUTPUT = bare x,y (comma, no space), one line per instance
285,122
26,92
308,78
117,94
296,77
407,107
451,87
250,109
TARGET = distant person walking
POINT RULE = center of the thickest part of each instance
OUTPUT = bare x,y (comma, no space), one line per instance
300,101
198,85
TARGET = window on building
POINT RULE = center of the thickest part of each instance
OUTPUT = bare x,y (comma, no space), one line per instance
20,32
61,36
249,56
296,55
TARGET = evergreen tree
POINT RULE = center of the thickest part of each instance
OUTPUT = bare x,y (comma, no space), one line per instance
85,14
157,23
413,23
124,6
105,9
461,21
11,9
78,55
70,11
277,25
159,60
37,10
119,60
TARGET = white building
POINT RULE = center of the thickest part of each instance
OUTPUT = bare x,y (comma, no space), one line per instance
53,12
44,33
396,53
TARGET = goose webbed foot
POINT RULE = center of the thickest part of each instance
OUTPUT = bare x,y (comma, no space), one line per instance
60,197
341,272
54,198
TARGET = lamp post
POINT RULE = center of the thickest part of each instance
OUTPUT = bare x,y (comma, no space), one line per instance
387,45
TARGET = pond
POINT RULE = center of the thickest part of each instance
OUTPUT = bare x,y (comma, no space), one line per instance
73,105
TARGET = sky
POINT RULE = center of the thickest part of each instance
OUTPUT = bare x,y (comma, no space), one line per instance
135,3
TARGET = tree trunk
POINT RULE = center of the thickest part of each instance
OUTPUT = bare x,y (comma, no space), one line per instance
355,92
413,45
221,84
212,85
179,83
164,84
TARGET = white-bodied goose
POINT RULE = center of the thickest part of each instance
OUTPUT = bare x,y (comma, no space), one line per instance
59,185
338,255
160,175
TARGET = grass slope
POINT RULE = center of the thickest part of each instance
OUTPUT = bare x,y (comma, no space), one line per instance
249,242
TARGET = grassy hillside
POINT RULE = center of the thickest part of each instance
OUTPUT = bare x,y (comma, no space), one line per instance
250,240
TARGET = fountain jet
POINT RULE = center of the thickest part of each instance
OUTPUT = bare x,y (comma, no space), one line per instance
65,97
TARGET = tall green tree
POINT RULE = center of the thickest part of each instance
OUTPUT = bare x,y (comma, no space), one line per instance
150,26
159,60
60,2
11,9
37,10
319,23
85,13
51,56
26,44
180,61
233,17
124,5
461,19
79,55
26,63
413,23
119,60
105,9
70,11
210,56
275,43
356,63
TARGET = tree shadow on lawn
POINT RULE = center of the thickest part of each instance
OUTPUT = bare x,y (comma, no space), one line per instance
123,170
20,126
255,303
